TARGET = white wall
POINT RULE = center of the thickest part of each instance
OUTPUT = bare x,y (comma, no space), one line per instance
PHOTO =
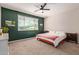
67,21
0,16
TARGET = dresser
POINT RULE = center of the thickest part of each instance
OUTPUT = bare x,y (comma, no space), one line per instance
4,44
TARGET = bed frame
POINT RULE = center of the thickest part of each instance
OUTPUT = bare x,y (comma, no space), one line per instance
51,43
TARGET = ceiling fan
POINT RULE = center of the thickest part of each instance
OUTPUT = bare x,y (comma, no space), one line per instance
42,8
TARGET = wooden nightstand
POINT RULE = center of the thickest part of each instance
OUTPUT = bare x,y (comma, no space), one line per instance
72,37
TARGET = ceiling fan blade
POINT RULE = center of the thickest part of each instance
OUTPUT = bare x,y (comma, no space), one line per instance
42,6
36,10
46,9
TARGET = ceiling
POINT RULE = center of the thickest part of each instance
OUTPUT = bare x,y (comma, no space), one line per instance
31,7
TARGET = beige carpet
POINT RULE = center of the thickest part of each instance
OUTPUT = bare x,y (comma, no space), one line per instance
32,46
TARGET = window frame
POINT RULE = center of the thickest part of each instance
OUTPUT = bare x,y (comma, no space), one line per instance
33,19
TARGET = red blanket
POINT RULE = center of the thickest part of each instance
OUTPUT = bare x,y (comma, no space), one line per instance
53,37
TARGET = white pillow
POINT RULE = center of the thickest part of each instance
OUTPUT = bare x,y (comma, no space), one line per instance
58,33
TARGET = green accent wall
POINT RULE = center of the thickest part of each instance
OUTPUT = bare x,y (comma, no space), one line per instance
14,34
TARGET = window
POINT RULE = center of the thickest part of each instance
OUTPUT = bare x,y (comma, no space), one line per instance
26,23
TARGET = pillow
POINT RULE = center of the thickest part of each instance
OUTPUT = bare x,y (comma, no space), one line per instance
54,37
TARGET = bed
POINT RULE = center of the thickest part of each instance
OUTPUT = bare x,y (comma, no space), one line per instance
52,37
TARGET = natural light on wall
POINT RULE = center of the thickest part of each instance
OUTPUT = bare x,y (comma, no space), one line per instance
26,23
